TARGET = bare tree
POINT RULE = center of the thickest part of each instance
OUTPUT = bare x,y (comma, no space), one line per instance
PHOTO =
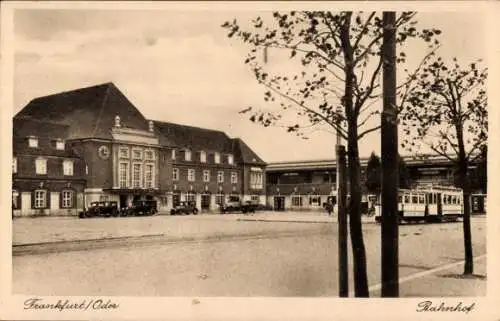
446,111
340,64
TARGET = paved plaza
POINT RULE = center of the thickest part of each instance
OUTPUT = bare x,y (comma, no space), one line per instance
264,254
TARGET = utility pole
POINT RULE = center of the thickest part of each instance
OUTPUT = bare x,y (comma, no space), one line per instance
390,175
341,212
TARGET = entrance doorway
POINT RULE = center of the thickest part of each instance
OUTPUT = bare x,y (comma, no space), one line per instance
279,203
205,202
123,200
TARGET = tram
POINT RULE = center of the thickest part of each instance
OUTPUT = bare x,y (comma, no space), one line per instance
430,204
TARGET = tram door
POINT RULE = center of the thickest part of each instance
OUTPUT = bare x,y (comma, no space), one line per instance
439,204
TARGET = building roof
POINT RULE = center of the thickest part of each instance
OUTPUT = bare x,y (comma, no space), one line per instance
197,138
324,164
46,132
245,154
24,127
89,111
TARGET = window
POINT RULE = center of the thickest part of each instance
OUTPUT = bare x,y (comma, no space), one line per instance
173,153
136,175
234,178
149,176
217,158
400,198
14,165
67,199
68,168
220,177
33,142
421,199
40,199
175,174
230,159
254,198
123,175
60,144
256,179
315,200
41,166
136,153
203,157
124,152
407,198
191,197
104,198
149,155
206,176
414,199
219,199
187,155
191,176
296,201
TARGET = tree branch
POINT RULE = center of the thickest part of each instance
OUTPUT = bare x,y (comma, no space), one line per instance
309,110
368,131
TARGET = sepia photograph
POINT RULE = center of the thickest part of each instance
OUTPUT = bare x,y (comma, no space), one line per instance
196,151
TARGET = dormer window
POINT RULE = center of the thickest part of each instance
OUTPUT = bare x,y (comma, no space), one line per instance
60,144
217,158
33,142
203,157
230,159
187,155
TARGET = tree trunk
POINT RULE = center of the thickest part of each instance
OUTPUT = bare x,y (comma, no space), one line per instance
464,184
355,226
354,168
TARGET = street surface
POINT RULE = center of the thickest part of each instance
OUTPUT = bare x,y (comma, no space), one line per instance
269,263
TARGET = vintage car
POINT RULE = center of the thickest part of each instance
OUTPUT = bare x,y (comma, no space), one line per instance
184,208
237,206
140,208
231,206
248,207
101,209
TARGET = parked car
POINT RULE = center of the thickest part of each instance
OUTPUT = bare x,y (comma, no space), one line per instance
248,207
231,206
245,207
101,209
184,208
141,208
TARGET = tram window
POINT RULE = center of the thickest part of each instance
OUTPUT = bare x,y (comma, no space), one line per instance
449,199
400,199
407,198
445,199
454,199
431,198
414,199
421,199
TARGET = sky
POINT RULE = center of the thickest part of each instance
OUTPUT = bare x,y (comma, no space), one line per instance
179,66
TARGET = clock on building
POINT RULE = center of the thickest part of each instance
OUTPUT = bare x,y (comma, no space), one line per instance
103,152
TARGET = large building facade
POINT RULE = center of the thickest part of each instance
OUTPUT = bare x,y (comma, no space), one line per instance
93,144
307,185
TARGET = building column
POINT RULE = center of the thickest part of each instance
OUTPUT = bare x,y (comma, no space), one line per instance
198,201
213,206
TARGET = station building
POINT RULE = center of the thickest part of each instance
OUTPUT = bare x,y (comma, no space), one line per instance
307,185
93,144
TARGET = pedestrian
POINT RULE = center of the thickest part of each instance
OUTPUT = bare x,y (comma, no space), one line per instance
329,208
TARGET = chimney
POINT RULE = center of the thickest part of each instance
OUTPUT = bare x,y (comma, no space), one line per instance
117,121
151,126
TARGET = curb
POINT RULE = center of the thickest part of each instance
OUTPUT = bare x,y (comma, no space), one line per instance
92,244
